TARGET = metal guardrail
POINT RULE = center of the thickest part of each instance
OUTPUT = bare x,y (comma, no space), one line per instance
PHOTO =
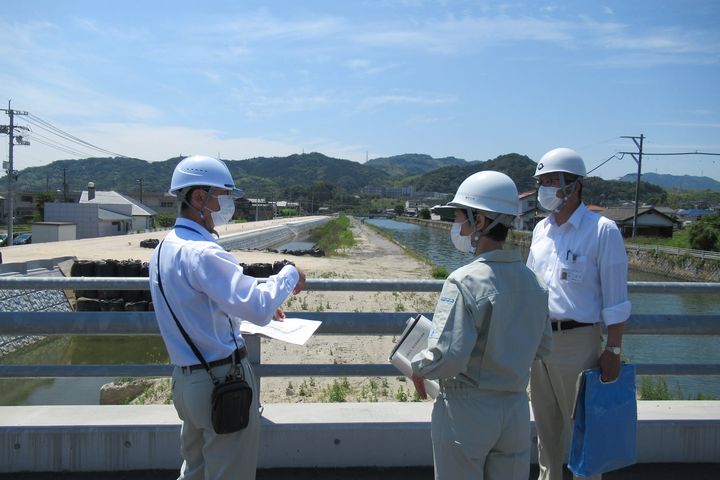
704,254
346,323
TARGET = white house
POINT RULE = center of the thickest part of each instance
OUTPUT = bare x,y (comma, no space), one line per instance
142,216
100,214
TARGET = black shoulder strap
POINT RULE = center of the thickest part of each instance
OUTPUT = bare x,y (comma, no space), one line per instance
177,322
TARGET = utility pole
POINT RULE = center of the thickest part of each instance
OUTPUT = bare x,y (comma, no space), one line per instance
140,181
11,173
65,186
638,159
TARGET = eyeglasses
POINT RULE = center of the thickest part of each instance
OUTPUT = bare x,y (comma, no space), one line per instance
553,181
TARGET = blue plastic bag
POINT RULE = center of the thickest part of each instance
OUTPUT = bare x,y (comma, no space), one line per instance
605,423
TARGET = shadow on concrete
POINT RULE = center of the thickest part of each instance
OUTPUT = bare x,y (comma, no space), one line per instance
656,471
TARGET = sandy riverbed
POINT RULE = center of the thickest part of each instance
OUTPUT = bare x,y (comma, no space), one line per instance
374,256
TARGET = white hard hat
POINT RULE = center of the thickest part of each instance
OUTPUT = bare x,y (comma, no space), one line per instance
488,191
561,160
202,171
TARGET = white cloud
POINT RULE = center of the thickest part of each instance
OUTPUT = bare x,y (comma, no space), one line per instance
153,143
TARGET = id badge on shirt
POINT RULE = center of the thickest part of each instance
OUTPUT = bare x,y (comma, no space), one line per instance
573,270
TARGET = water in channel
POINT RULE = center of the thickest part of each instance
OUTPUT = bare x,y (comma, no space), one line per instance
435,244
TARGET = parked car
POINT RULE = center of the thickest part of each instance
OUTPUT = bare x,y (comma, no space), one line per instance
23,239
3,239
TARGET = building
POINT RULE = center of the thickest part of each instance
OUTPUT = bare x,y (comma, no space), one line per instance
43,232
100,214
650,221
141,215
528,216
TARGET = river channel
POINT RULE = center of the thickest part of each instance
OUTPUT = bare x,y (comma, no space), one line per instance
435,244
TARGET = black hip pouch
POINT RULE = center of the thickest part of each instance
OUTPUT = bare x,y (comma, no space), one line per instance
231,403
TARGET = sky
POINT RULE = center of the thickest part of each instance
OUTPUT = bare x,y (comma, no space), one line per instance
366,79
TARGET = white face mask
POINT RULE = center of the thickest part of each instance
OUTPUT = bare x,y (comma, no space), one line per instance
547,196
227,209
461,242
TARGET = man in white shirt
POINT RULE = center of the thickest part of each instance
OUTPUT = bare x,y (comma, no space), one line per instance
203,286
581,257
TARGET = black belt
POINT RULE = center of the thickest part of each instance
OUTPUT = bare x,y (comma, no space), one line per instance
235,357
568,325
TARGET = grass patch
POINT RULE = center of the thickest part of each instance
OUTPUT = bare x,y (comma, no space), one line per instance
679,239
334,235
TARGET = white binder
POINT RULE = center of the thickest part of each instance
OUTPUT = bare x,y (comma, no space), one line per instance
413,340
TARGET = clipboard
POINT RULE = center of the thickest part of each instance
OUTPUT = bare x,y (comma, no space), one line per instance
413,341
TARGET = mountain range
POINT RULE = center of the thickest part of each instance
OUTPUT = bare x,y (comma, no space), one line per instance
677,182
301,174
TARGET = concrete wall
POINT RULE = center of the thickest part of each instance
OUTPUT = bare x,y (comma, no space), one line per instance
110,438
270,236
53,232
83,215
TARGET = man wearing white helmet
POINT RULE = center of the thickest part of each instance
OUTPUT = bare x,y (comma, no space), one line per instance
196,288
489,324
581,257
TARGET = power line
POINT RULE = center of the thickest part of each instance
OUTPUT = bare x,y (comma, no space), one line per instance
606,161
47,126
683,153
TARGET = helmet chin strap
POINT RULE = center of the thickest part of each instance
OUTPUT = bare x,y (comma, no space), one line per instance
477,235
563,186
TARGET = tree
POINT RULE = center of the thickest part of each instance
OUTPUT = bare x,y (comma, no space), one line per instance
40,200
704,233
164,220
425,213
399,209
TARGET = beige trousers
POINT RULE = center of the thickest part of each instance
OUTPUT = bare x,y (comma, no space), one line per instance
552,392
207,455
481,435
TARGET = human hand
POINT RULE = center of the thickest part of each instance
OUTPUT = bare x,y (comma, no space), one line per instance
419,383
609,364
301,282
279,315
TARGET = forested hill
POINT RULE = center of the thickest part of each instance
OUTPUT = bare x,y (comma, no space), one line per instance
123,174
518,167
313,172
400,166
521,169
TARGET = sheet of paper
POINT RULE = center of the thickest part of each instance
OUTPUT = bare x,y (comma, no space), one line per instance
291,330
412,341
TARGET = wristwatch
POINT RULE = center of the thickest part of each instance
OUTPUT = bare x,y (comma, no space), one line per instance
614,350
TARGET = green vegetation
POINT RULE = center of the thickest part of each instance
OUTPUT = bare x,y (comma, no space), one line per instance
700,198
680,239
705,233
164,220
337,392
314,180
656,388
439,272
334,235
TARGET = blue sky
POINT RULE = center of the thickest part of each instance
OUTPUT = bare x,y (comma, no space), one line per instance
357,79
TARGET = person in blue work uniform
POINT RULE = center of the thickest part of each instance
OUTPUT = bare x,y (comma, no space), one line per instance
581,257
205,286
490,323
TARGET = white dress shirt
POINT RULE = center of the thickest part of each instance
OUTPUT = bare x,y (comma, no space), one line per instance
205,285
584,265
